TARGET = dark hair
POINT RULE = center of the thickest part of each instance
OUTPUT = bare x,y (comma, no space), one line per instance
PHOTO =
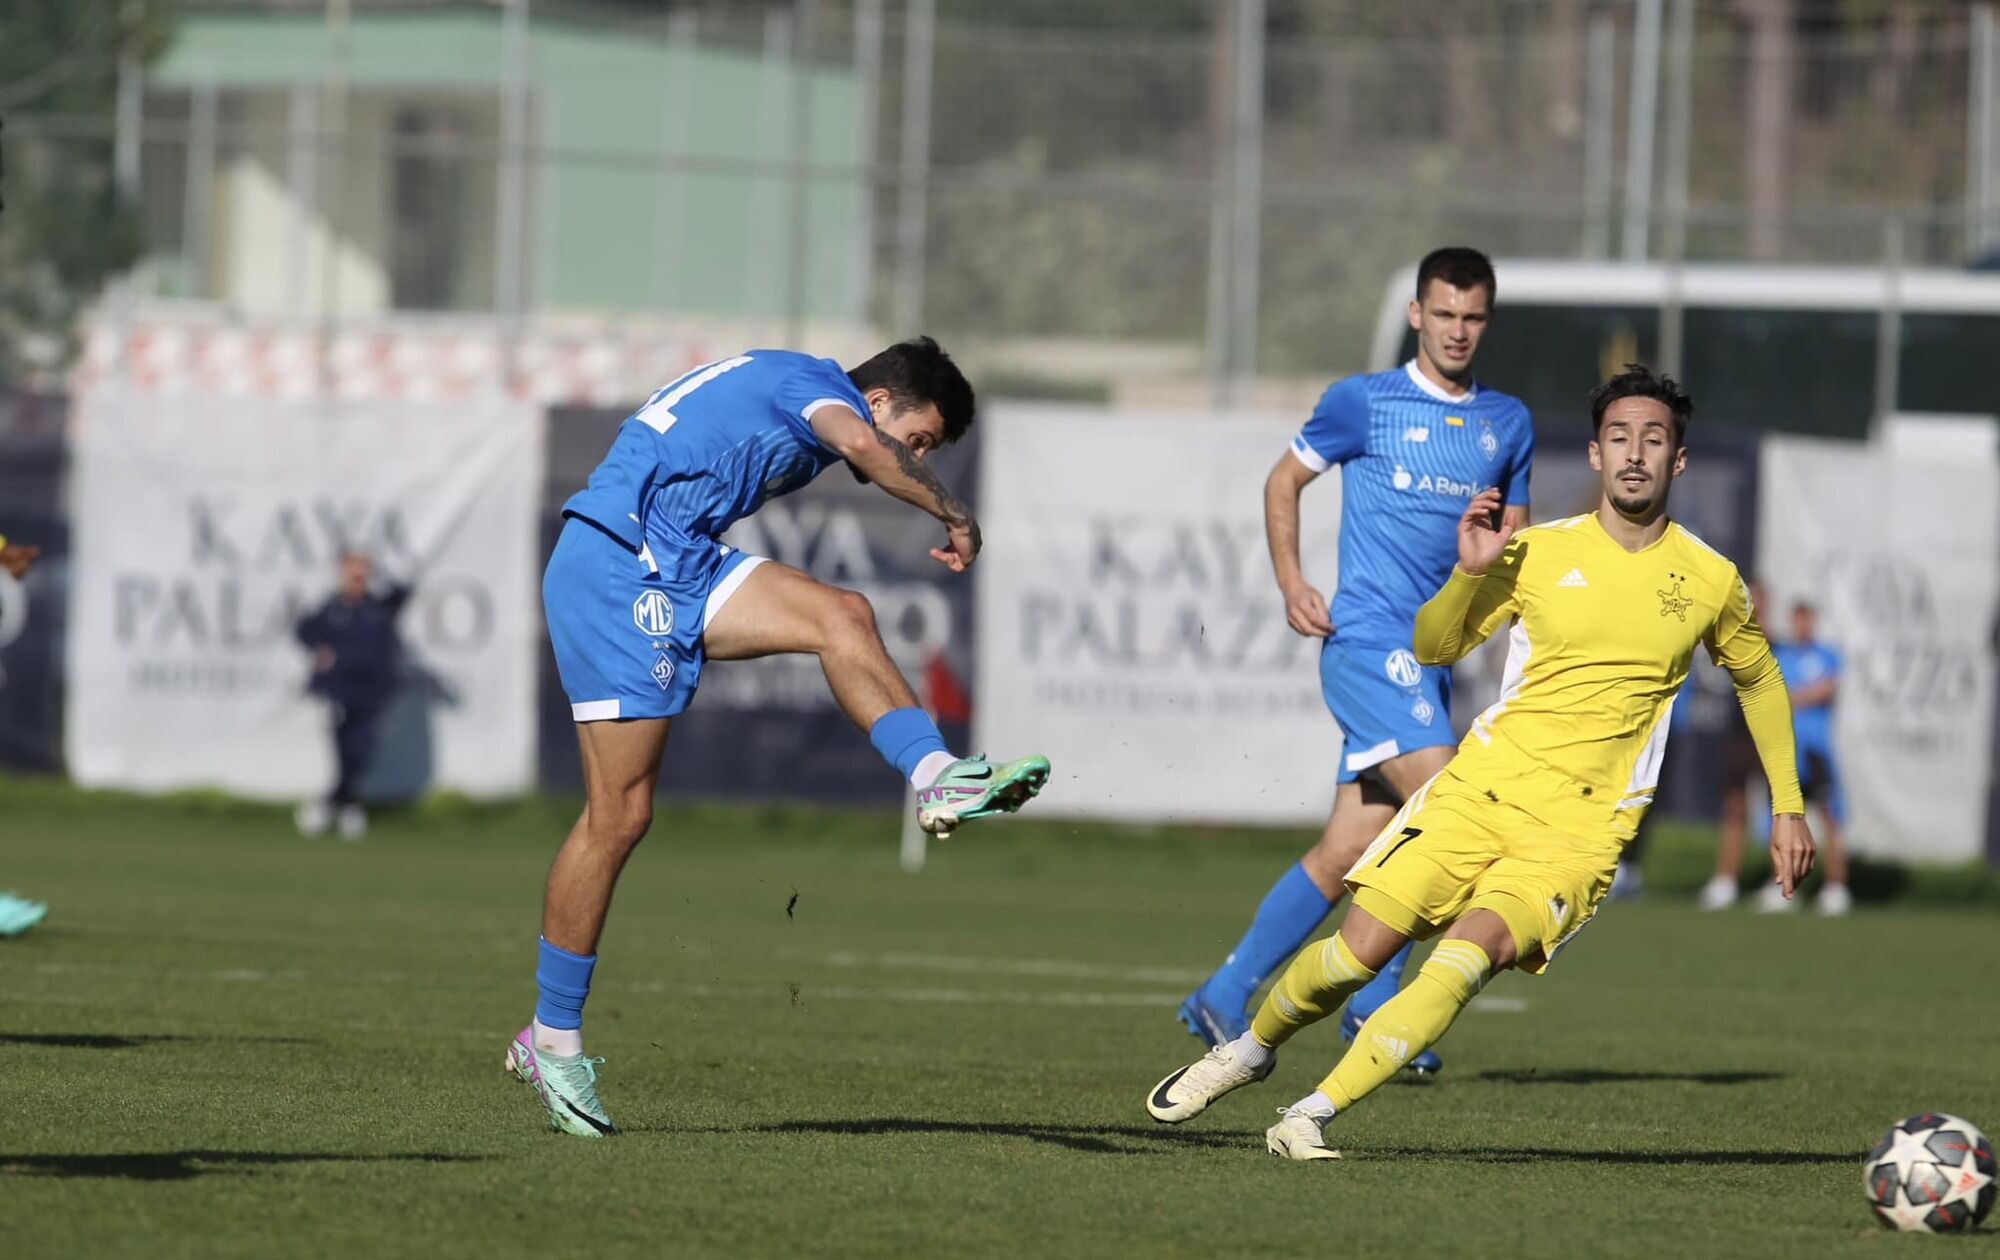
1638,381
916,372
1459,267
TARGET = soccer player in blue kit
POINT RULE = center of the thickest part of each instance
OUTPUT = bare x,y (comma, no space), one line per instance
1812,675
639,593
1414,445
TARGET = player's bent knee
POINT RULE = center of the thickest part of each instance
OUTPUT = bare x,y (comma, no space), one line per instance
851,618
622,818
1490,930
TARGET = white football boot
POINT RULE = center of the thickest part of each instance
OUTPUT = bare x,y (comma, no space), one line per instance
1187,1092
1298,1135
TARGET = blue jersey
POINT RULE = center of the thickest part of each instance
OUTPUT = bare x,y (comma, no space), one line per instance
1412,458
1805,664
712,447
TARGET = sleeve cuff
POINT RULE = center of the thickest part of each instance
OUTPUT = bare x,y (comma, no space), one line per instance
1306,455
816,405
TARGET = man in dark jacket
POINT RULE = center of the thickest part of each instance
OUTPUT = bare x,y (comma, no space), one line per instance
355,660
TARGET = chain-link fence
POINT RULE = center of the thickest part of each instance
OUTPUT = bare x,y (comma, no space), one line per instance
1185,189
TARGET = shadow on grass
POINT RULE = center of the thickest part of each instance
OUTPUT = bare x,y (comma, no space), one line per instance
1537,1154
127,1041
1136,1140
188,1165
1595,1076
1095,1139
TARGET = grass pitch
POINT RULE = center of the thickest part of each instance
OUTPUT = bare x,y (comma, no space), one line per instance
227,1041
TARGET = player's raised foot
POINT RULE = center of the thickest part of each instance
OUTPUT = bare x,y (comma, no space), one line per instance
1298,1135
973,787
18,914
1425,1063
566,1084
1188,1091
1214,1023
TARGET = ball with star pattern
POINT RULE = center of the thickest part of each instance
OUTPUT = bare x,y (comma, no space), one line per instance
1931,1174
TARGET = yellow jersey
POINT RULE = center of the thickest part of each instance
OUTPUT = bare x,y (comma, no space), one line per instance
1600,641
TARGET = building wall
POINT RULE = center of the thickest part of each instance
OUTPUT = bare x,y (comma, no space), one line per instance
613,223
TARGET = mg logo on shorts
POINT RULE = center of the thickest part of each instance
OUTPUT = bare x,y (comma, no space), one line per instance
1402,668
653,613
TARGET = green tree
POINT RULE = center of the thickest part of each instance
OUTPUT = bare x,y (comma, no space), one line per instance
64,229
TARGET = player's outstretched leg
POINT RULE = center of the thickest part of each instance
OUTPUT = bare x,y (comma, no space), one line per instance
779,610
1387,984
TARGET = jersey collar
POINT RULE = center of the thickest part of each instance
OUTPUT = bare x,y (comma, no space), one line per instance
1435,390
1596,526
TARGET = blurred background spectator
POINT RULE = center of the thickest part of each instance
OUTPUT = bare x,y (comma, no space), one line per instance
356,656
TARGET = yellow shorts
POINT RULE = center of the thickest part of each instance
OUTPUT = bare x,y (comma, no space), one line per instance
1452,849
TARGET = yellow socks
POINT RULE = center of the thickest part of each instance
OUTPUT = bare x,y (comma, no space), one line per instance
1312,988
1408,1023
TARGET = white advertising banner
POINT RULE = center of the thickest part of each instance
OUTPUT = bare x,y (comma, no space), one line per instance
1901,557
1129,625
204,528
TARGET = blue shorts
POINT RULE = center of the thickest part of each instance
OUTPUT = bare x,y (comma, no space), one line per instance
627,628
1386,703
1819,774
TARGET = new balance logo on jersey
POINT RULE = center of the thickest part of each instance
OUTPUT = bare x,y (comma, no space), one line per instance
1574,578
1417,434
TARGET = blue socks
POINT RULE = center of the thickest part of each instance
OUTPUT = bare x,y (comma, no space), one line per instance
564,979
1291,911
1387,983
905,737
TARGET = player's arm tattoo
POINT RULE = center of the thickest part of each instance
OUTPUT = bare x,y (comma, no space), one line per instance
946,505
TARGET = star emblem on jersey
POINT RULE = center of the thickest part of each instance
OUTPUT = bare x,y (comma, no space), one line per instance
663,671
1673,603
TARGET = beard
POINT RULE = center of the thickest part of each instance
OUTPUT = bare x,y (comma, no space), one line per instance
1635,504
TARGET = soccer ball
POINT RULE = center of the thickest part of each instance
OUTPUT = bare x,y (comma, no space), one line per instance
1931,1174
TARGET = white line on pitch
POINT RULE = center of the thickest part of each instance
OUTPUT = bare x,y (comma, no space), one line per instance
1057,967
1485,1003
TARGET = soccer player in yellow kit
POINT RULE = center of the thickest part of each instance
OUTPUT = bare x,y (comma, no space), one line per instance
1511,847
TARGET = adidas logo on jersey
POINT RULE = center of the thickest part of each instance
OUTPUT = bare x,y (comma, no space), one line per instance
1574,578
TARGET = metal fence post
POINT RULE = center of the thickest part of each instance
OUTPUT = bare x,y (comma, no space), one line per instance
913,162
1982,181
1601,71
1641,122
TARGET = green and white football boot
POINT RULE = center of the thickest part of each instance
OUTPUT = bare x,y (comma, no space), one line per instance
566,1084
973,787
